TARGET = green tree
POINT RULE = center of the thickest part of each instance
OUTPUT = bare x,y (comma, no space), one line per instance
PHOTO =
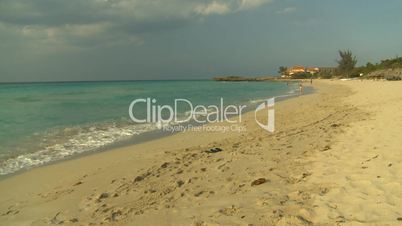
347,62
282,70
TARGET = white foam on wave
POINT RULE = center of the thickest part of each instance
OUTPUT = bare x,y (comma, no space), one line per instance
256,101
73,141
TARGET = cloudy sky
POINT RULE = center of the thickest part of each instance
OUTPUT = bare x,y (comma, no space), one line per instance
61,40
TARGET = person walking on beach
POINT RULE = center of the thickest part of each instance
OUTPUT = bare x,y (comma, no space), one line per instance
300,88
311,81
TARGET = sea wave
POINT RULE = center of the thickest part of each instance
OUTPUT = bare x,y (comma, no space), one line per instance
66,142
256,101
34,141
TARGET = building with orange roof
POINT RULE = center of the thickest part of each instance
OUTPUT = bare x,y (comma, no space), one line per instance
296,69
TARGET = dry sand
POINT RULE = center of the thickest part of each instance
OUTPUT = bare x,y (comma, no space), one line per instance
335,158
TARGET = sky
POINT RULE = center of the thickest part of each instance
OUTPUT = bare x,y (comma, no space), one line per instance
73,40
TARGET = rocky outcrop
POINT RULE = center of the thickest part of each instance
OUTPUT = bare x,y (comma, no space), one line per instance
242,79
234,78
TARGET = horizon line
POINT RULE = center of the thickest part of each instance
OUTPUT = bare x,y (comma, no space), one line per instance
118,80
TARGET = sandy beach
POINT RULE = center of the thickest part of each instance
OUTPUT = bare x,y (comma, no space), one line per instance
334,159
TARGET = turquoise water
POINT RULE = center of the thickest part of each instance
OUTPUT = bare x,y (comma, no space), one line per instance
44,122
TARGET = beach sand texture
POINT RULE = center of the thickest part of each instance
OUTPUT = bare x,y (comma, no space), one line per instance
334,159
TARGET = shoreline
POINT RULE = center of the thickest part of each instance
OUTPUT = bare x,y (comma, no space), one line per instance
301,169
148,136
72,173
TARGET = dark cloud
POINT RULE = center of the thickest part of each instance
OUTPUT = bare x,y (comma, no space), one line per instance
81,21
51,12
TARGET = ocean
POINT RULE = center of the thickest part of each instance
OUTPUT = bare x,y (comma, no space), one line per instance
45,122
